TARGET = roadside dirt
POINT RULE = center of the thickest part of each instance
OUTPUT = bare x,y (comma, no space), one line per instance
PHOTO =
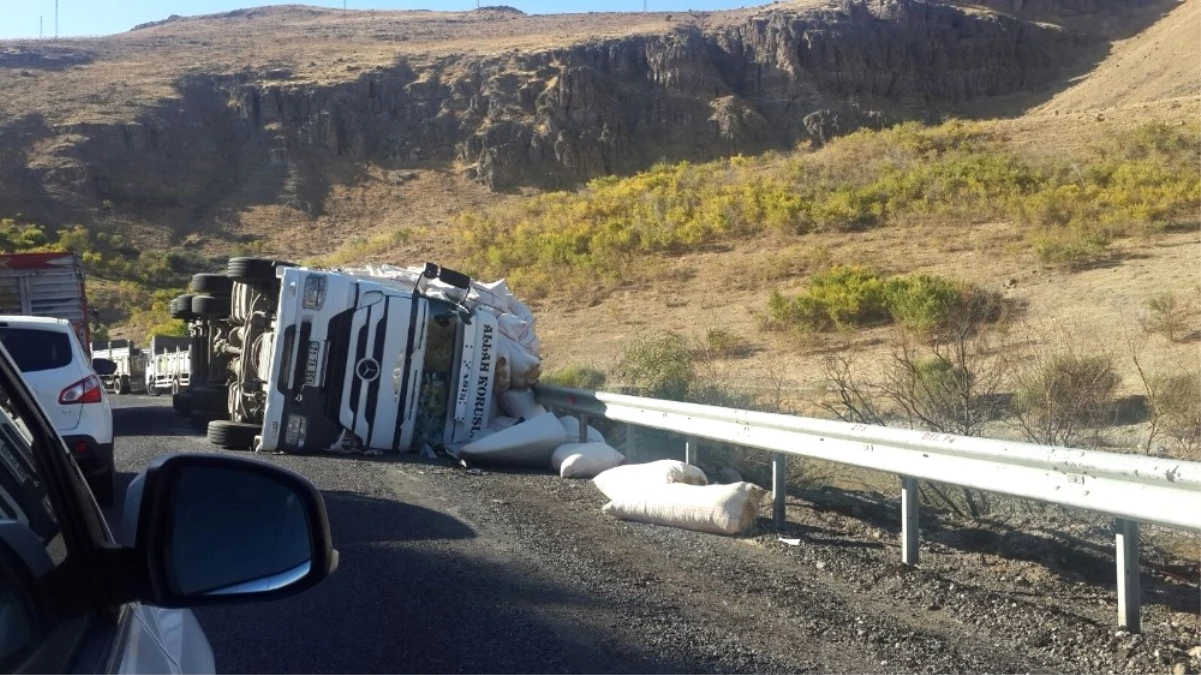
987,597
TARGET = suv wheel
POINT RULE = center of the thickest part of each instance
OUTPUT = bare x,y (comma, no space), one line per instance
232,435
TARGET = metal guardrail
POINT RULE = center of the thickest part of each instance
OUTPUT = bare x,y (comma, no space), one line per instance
1132,488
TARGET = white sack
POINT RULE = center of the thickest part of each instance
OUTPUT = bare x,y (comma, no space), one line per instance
636,479
530,443
584,460
518,403
719,509
572,426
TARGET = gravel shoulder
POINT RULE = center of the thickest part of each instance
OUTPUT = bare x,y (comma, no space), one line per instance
445,570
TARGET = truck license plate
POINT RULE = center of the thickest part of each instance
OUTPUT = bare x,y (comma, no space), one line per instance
310,366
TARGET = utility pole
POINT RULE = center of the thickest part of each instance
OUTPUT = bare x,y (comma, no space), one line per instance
56,19
40,22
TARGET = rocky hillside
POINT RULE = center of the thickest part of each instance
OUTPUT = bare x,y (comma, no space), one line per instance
248,125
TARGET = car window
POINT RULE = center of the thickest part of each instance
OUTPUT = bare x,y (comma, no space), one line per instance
28,618
35,350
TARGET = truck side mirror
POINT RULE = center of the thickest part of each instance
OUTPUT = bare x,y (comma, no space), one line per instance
217,530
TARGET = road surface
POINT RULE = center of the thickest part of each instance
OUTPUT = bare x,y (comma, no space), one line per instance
448,571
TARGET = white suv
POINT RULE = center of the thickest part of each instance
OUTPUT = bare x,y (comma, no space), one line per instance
64,377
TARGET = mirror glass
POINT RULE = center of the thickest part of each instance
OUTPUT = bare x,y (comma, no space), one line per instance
104,366
236,531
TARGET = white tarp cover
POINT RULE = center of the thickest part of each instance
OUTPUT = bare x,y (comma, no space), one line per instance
584,460
719,509
638,479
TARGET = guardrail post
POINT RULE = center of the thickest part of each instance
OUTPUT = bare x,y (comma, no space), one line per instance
690,450
779,487
1129,592
631,434
583,418
909,521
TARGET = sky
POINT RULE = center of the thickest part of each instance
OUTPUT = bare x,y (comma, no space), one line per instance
19,18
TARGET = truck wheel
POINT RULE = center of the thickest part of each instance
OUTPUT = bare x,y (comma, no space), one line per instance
209,307
182,402
181,307
211,284
152,390
255,270
232,435
123,385
210,398
200,418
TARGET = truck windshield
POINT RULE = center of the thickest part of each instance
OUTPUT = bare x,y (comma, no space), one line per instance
437,374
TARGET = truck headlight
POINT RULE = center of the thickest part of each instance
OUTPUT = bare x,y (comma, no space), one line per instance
295,432
314,291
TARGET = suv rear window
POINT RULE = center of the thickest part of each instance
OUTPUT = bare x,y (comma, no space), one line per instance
35,350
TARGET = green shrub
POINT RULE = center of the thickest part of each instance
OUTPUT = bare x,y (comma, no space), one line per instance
1074,248
922,302
1060,398
852,297
725,344
659,367
576,377
1176,406
1167,315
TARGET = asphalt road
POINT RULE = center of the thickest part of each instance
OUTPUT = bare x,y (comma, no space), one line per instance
444,570
417,590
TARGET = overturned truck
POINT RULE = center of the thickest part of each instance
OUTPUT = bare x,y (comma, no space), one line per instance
373,359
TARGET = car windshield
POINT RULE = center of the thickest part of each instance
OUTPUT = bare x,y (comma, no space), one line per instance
35,350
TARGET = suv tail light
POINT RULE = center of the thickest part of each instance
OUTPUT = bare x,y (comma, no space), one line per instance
87,390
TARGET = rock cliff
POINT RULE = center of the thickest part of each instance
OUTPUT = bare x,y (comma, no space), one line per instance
538,117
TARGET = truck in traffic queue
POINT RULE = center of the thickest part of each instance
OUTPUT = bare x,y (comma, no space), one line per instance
374,359
130,374
168,364
46,284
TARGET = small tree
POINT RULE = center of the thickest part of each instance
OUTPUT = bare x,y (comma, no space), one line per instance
1064,397
1167,315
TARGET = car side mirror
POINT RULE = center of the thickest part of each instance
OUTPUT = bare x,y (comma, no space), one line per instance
213,529
104,366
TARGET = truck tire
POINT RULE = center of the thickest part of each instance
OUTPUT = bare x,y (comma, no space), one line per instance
152,390
182,402
181,307
211,284
210,398
259,271
123,384
232,435
209,307
200,418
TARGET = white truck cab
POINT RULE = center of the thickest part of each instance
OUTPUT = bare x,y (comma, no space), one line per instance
380,359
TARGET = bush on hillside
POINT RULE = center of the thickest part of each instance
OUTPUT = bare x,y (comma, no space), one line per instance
576,377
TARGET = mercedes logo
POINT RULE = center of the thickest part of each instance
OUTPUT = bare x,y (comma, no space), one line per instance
367,369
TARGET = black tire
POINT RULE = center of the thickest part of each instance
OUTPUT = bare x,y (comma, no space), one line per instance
104,487
210,398
182,402
260,271
123,384
152,390
181,307
200,419
209,307
232,435
211,284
